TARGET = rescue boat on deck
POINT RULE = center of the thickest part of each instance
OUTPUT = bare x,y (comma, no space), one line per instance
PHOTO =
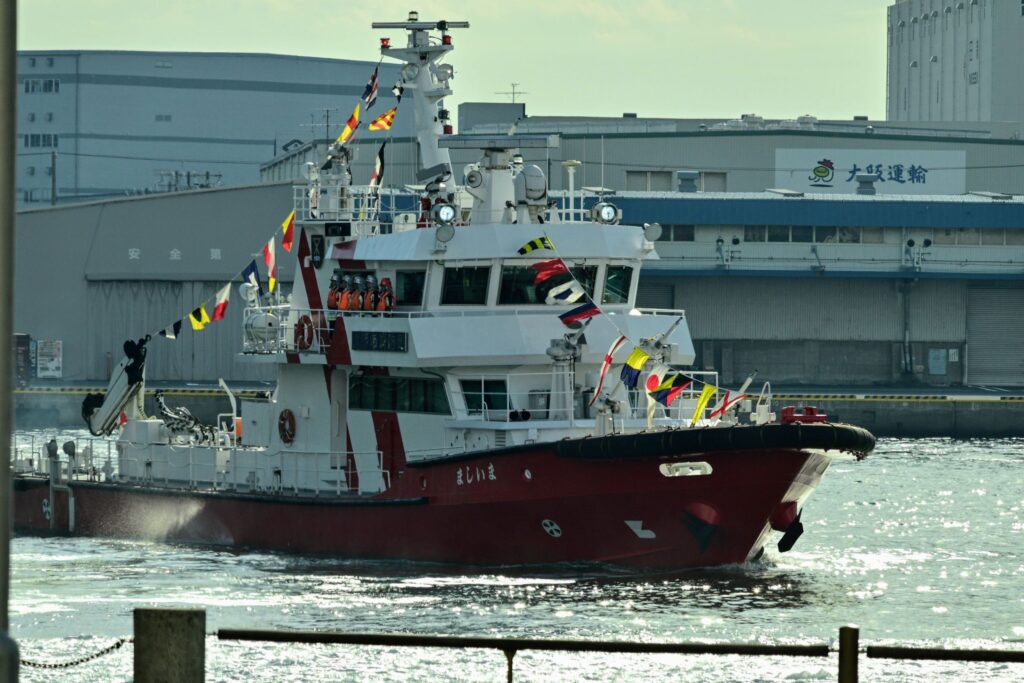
439,400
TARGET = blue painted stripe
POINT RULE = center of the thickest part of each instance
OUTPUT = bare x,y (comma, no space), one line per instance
846,274
874,213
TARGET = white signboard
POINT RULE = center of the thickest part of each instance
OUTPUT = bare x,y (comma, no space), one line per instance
49,358
832,171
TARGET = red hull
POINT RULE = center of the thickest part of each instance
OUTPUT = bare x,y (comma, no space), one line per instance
481,510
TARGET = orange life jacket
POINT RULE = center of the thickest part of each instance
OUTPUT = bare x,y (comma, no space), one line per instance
370,300
386,301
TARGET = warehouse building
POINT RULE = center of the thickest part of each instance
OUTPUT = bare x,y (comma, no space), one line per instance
806,288
955,60
742,155
114,123
863,290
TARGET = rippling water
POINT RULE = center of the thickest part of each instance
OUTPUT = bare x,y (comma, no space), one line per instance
920,544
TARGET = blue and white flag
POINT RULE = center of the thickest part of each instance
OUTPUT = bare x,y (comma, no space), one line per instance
567,293
370,93
252,276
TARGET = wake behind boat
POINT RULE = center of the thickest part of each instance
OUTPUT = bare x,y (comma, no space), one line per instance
448,388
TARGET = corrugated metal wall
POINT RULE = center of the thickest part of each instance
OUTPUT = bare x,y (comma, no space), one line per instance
655,294
821,309
938,311
123,310
995,330
805,308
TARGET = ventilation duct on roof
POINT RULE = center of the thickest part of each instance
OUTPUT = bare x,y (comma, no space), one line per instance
687,180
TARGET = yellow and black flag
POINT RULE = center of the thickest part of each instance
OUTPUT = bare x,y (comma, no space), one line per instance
533,245
199,318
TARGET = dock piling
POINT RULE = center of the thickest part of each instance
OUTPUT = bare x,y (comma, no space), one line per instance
849,642
170,645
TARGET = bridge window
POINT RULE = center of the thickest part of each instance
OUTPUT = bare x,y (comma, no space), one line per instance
409,287
465,286
518,283
616,285
491,394
398,394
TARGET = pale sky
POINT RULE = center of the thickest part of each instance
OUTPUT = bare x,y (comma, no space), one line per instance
658,58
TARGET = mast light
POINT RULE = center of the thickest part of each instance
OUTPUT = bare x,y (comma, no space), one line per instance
446,40
385,42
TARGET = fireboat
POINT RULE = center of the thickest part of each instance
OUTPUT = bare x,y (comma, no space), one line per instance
444,392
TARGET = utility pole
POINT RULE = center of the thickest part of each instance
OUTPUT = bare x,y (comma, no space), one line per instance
313,125
513,92
9,659
53,178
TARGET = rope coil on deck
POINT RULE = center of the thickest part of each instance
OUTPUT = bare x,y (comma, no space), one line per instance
81,660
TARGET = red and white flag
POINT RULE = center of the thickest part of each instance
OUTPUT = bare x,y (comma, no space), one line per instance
607,364
271,261
378,169
731,399
220,308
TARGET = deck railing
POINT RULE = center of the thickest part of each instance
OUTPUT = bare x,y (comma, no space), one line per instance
194,467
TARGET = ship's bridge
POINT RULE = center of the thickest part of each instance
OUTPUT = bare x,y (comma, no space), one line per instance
466,298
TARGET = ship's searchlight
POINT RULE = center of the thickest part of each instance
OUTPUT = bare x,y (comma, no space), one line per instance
606,213
444,232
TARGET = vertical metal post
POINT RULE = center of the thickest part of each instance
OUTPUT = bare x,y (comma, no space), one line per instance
53,177
509,656
170,645
849,652
8,80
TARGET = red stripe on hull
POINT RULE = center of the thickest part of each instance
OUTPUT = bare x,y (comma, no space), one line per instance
389,440
476,511
308,274
339,353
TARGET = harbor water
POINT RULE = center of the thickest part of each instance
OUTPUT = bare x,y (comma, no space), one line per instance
921,544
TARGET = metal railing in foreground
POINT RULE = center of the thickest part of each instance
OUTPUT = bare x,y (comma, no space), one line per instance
172,642
848,647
